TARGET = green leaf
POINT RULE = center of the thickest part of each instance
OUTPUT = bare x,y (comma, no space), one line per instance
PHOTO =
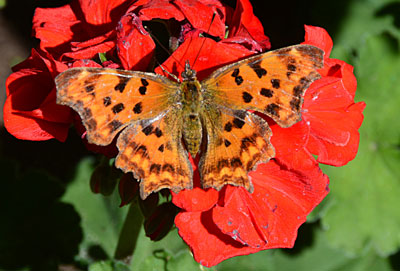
151,255
109,265
183,260
365,19
317,256
366,192
102,219
101,266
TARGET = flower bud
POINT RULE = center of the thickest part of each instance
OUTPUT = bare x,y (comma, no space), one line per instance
128,188
161,221
104,179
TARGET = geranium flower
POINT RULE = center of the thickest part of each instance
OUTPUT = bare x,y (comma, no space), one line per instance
215,224
220,225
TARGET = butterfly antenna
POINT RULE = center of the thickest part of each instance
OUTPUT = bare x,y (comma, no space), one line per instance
163,47
204,40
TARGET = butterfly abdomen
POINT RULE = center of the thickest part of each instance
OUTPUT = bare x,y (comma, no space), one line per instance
192,128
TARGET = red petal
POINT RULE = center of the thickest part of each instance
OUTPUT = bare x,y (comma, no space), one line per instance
31,128
324,109
161,9
53,26
340,69
280,203
200,13
135,49
208,244
246,29
335,154
240,217
268,218
101,12
91,51
196,199
31,111
319,37
290,146
212,56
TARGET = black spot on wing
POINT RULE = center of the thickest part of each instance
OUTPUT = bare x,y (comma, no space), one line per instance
291,67
228,127
267,92
258,69
295,104
137,109
89,88
155,168
235,73
142,90
147,130
118,108
227,143
158,132
114,125
247,97
272,109
276,83
122,83
107,101
238,123
238,79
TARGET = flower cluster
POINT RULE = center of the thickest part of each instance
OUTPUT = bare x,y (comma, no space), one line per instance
215,224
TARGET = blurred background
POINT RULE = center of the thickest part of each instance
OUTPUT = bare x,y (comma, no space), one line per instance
51,221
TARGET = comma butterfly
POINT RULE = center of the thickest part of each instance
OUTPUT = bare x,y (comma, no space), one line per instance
162,120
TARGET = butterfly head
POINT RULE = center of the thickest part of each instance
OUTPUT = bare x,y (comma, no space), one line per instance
188,74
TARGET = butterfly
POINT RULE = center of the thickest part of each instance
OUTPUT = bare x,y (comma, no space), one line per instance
160,121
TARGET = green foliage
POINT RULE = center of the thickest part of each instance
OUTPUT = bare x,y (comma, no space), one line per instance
370,184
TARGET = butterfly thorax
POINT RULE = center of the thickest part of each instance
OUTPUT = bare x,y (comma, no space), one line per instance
191,101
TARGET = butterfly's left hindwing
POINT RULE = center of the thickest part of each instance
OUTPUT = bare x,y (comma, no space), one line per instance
272,83
154,147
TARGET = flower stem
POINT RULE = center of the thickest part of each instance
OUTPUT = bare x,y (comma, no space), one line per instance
129,233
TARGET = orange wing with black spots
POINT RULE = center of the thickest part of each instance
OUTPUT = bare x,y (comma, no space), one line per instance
272,83
108,99
150,150
237,141
148,106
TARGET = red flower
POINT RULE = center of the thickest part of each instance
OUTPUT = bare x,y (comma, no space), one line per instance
220,225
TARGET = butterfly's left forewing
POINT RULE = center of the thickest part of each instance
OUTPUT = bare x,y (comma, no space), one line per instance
108,99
